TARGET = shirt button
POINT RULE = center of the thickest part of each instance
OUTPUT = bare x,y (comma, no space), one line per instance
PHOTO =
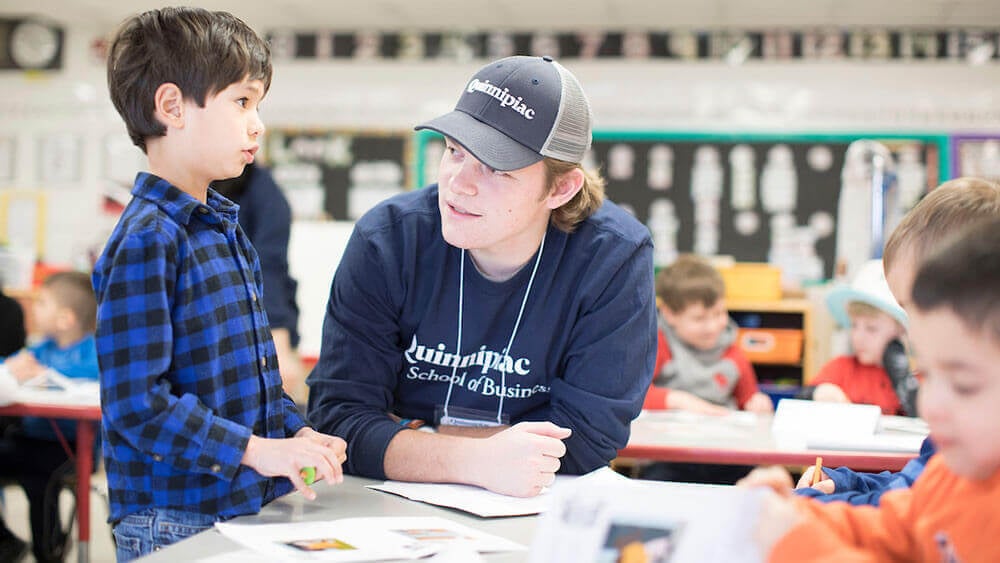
263,362
157,457
216,468
253,296
203,210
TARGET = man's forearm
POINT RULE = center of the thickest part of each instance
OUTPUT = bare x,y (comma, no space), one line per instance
431,458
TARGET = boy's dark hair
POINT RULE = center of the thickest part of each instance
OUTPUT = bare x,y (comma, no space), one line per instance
74,291
202,52
965,277
688,280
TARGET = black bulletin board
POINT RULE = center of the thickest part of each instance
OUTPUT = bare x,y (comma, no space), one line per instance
818,190
330,155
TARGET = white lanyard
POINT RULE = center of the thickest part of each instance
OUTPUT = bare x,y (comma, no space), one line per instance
506,351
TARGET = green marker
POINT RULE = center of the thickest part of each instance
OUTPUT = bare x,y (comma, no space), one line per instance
308,475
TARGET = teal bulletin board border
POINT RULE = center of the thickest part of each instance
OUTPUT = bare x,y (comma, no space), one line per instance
942,141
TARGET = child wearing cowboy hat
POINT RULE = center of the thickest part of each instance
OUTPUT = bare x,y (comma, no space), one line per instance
875,321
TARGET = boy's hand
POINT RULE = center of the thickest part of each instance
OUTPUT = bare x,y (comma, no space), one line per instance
682,400
23,366
519,461
774,477
826,485
286,457
759,403
778,515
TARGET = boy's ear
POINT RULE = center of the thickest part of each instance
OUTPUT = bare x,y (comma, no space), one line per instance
669,315
65,319
566,187
168,105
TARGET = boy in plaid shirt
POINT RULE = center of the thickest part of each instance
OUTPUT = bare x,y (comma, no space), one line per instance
196,427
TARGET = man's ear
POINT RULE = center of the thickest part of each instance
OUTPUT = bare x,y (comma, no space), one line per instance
168,105
566,186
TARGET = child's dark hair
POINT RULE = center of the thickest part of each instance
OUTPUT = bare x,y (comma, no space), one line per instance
202,52
688,280
965,277
74,291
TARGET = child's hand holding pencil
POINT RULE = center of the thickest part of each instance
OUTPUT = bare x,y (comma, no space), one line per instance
815,478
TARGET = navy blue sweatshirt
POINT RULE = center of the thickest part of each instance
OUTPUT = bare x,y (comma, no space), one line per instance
582,357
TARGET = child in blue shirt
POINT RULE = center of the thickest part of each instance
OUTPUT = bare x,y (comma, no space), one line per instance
195,425
31,450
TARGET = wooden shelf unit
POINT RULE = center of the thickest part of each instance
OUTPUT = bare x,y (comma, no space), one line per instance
786,313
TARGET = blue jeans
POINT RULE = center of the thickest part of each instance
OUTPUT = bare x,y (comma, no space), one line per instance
147,531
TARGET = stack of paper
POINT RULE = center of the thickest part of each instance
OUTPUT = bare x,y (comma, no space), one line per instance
362,539
839,426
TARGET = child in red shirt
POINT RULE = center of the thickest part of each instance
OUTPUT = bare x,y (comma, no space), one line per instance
699,366
875,319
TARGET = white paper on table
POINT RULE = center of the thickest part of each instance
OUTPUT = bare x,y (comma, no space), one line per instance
488,504
904,424
905,443
654,521
238,556
362,539
796,423
734,417
52,387
472,499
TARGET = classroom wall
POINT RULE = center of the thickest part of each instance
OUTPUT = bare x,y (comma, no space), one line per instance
938,96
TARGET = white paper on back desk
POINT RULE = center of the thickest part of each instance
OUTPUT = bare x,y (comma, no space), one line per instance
839,426
596,519
362,539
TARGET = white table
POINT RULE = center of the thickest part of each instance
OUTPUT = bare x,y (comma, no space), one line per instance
349,499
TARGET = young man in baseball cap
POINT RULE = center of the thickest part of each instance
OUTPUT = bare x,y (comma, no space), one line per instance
509,307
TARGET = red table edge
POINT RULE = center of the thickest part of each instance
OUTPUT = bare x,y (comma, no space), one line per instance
861,461
85,417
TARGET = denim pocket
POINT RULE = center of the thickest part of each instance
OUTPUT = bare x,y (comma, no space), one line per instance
173,526
130,534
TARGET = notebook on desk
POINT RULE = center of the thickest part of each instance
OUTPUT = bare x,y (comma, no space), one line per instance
844,427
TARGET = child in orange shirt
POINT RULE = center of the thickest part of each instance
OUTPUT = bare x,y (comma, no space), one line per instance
950,512
875,320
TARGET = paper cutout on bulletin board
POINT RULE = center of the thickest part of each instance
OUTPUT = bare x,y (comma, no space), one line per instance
8,147
976,155
22,213
757,198
59,158
337,174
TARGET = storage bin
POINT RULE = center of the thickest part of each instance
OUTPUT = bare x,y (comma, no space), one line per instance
751,281
771,345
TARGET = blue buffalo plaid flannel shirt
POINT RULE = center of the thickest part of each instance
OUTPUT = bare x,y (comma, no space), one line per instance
188,367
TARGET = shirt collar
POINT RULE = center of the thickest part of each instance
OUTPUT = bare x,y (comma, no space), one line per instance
181,206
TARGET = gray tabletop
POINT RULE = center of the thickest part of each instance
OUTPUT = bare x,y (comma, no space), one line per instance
350,499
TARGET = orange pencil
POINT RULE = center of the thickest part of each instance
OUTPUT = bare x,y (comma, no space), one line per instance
817,472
